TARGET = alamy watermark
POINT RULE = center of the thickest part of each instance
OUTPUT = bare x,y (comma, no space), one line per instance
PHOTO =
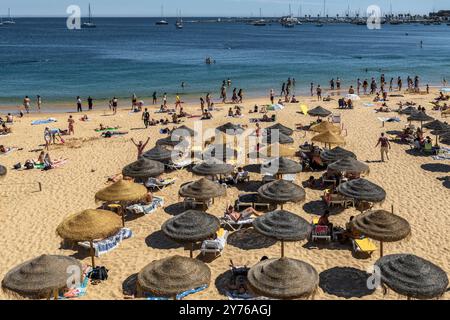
373,17
73,21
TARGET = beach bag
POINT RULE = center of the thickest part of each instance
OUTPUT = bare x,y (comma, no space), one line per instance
98,273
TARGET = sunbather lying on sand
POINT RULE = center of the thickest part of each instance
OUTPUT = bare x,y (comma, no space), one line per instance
236,216
109,134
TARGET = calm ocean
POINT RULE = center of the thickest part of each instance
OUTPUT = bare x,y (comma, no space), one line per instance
126,55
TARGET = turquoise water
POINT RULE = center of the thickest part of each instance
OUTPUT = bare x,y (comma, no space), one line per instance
122,56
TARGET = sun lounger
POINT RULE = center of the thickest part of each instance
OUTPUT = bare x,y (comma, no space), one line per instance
236,225
217,245
320,232
193,203
146,208
337,199
103,246
159,184
242,177
364,245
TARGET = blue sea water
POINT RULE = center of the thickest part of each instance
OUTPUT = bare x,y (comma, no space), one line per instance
132,55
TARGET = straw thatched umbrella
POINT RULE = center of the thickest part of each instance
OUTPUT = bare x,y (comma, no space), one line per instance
211,168
439,128
362,190
219,152
3,171
420,117
319,112
349,165
445,139
143,169
278,137
330,138
282,225
171,276
280,166
89,225
159,153
122,191
283,278
173,141
191,226
412,276
408,110
381,225
183,131
40,277
335,154
231,129
283,129
202,189
325,126
281,191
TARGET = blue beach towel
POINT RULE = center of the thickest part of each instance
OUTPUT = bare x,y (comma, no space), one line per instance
180,295
46,121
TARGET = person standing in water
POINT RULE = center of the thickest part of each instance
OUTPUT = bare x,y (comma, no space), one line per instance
312,89
240,95
90,102
26,103
39,102
165,99
283,89
79,106
140,146
114,105
155,99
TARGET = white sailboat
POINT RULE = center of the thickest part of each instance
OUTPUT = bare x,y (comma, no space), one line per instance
261,22
179,23
162,22
10,19
89,24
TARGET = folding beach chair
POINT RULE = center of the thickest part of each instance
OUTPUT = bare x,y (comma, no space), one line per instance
364,245
236,225
154,183
336,199
320,232
179,165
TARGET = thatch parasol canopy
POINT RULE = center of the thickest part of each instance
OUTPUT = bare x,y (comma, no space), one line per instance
283,278
202,189
319,112
89,225
183,131
408,110
173,141
325,126
437,125
210,168
281,166
231,129
277,137
122,191
191,226
283,129
349,165
362,190
381,225
41,276
280,191
159,153
143,168
329,137
419,116
3,171
282,225
336,154
412,276
173,275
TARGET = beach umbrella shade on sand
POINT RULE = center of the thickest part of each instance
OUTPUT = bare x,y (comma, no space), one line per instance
41,277
408,110
349,164
171,276
283,226
271,137
382,226
231,129
335,154
203,190
412,276
90,225
325,126
191,226
283,129
362,190
220,152
420,117
281,191
3,171
159,153
319,112
143,169
283,278
329,138
280,166
212,168
122,191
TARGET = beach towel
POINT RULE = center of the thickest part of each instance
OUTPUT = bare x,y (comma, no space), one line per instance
244,296
103,246
106,129
180,295
275,107
8,152
389,119
45,121
368,104
147,208
444,154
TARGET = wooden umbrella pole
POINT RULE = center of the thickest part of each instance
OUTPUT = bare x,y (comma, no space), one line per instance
282,248
392,208
381,249
191,255
55,294
122,212
92,253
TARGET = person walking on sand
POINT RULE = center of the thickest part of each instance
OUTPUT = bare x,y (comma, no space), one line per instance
71,123
39,102
240,95
47,137
385,146
283,89
146,117
140,146
79,107
90,103
114,105
155,99
177,102
272,96
26,103
319,92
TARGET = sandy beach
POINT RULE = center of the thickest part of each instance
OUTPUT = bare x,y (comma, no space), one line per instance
29,217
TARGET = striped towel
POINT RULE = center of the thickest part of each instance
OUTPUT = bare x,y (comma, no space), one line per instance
147,208
108,244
